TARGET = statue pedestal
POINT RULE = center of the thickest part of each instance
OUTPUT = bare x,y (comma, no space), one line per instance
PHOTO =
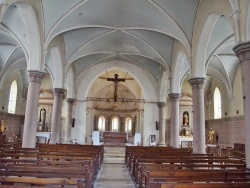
40,127
185,130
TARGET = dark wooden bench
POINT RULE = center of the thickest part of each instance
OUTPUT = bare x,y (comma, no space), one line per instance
48,182
36,171
56,156
190,167
155,179
192,161
206,185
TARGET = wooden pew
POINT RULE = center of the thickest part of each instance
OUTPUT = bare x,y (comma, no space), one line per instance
37,171
206,185
190,167
33,181
192,161
155,179
63,155
177,160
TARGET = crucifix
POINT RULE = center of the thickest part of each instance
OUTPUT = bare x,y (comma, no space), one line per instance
116,80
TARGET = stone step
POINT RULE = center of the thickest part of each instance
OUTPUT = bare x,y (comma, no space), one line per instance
114,154
112,160
114,150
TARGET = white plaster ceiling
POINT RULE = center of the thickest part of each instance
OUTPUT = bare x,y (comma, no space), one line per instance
142,32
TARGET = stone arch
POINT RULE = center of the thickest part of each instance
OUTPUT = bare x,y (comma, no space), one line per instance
163,87
146,81
36,58
199,61
177,76
144,78
247,29
58,75
70,83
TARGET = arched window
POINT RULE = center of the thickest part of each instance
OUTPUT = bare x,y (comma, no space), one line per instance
12,98
217,104
115,123
128,125
101,123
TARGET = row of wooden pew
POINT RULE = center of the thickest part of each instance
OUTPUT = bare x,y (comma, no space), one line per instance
51,165
166,167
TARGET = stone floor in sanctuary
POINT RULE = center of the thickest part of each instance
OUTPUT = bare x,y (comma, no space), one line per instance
114,173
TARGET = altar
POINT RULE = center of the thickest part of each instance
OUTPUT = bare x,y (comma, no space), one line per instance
43,137
186,142
114,137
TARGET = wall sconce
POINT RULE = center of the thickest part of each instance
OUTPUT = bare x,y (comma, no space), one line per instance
237,112
225,113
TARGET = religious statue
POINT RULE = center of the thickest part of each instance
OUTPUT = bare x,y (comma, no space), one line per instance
185,119
210,136
42,115
2,127
185,129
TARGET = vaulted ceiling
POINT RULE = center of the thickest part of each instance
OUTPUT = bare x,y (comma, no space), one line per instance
142,32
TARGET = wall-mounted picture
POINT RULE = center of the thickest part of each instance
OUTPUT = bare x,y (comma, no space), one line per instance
152,140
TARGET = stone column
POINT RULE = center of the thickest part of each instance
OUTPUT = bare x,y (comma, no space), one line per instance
30,122
56,115
199,140
174,139
243,52
68,124
162,129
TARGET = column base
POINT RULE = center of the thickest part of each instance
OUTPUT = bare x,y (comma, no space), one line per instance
248,167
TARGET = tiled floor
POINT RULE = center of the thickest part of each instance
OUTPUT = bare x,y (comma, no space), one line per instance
114,176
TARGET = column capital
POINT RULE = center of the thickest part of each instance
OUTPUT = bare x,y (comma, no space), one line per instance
242,51
59,92
69,100
35,76
197,83
161,104
174,96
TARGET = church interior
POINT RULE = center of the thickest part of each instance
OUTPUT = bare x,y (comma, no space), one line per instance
125,79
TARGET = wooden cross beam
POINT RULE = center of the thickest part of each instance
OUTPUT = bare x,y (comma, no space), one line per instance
116,80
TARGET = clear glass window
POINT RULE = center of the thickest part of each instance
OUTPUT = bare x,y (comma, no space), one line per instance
217,103
12,98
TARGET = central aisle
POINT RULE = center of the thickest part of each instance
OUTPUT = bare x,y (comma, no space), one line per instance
114,173
114,176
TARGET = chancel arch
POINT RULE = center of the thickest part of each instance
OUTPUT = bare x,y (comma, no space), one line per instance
148,91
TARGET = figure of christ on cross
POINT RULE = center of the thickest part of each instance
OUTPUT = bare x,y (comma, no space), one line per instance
116,80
